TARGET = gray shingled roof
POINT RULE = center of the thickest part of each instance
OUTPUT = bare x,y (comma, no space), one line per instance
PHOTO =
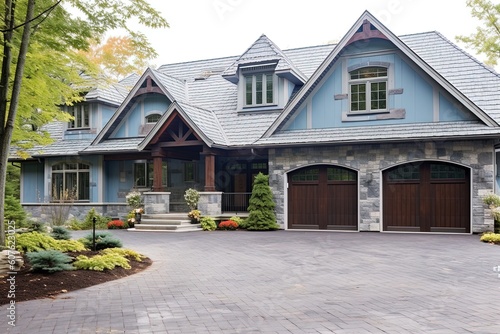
114,93
403,132
477,82
210,101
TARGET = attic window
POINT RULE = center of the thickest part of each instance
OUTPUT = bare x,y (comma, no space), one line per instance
81,116
259,89
153,118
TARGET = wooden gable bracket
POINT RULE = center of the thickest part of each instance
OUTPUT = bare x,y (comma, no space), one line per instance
151,87
365,32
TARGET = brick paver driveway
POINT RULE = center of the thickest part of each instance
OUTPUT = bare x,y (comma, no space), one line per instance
286,282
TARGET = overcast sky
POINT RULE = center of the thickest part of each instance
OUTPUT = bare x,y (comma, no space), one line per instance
201,29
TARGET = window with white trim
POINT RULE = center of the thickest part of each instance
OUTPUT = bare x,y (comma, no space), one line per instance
70,181
259,89
81,116
368,89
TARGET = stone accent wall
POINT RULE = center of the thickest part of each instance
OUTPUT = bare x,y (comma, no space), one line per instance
156,202
43,211
210,203
372,159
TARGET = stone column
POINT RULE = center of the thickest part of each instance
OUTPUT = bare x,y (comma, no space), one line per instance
210,203
156,202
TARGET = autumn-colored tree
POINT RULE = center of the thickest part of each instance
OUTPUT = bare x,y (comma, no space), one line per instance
118,57
486,39
41,67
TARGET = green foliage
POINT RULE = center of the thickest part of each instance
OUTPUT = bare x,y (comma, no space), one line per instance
49,261
100,224
192,196
35,241
208,223
492,200
128,253
35,226
103,240
261,206
491,237
101,262
241,222
134,199
486,39
60,233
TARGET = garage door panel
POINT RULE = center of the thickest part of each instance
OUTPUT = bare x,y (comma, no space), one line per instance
342,208
303,208
427,197
323,197
402,207
451,204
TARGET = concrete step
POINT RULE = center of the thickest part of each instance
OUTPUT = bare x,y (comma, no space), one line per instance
167,228
164,222
166,216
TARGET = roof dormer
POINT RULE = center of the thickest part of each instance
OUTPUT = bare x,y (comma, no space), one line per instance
265,77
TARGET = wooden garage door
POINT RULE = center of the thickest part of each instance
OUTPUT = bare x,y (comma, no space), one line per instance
427,197
323,197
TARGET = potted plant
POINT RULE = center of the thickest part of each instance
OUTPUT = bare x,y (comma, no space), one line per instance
134,200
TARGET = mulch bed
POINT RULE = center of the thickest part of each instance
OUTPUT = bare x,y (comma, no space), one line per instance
30,285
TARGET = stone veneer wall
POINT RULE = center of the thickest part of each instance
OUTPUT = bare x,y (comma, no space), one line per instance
374,158
210,203
43,211
156,202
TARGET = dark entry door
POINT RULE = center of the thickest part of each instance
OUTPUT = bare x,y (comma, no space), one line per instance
427,197
323,197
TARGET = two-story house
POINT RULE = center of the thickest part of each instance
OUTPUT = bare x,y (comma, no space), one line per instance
375,133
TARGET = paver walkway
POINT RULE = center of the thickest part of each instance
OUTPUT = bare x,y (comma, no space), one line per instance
286,282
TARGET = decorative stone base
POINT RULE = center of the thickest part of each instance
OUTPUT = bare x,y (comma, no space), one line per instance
156,202
210,203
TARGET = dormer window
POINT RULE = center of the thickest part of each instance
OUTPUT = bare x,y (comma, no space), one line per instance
259,89
81,116
368,89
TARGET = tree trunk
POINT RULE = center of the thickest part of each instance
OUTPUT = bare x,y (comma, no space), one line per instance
6,135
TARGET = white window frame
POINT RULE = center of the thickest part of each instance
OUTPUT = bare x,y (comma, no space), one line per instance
265,89
367,82
81,114
146,121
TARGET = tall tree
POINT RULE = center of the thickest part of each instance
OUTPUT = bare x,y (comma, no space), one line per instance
41,66
486,39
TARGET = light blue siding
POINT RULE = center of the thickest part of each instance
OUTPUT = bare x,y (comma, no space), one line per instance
32,182
106,114
118,180
131,124
414,92
300,122
449,112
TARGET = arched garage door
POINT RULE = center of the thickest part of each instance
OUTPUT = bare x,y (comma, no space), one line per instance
323,198
427,197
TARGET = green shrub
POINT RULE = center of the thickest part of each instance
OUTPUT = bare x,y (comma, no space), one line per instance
103,240
491,237
60,233
101,262
49,261
492,200
35,226
241,221
208,223
128,253
192,196
100,223
261,206
35,241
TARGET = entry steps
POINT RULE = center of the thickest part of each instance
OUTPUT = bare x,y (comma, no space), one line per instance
166,222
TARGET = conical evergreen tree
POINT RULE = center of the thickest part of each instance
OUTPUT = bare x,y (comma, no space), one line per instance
261,207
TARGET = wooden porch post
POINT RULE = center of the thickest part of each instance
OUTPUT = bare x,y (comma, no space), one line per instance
209,172
157,173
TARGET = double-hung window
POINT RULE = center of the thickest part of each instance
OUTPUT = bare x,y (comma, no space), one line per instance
81,116
368,89
259,89
143,174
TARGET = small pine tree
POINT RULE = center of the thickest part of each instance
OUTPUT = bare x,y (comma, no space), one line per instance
261,207
49,261
60,233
